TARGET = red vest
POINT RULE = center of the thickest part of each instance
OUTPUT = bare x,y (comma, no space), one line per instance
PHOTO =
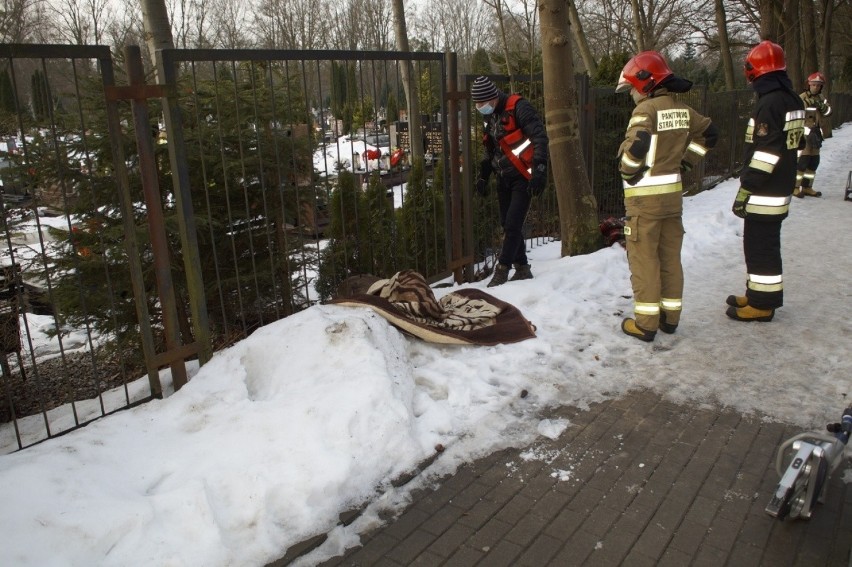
516,147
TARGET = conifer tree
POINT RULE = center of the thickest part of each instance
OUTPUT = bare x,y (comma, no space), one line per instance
421,222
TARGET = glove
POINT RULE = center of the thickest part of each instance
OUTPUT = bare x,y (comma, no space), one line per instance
485,169
538,180
685,166
482,187
636,177
740,201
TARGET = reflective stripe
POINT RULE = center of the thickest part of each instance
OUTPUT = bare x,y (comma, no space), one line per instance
758,282
638,119
750,131
807,130
671,304
697,148
629,162
659,179
761,205
768,201
809,175
762,278
654,190
519,149
652,152
811,108
646,308
793,119
764,161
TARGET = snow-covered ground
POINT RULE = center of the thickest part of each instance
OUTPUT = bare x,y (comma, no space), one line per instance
316,413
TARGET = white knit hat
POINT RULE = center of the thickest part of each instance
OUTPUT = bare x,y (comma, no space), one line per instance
483,89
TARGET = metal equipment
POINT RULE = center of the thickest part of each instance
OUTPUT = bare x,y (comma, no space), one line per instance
815,456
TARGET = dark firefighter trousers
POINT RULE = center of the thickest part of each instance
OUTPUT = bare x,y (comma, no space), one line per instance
762,250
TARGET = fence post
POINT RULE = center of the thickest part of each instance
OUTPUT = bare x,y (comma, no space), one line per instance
464,162
455,178
130,242
155,219
183,203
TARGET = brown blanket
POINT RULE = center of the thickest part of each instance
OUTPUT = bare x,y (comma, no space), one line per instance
465,316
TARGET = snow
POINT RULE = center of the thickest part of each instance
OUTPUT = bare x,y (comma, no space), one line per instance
315,414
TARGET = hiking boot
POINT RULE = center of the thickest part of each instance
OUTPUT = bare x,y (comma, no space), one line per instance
666,327
630,328
797,192
809,191
749,313
737,300
501,275
522,272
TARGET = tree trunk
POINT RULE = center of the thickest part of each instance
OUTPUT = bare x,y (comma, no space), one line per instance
577,206
409,83
825,57
637,26
809,42
790,41
825,52
724,45
769,20
158,30
498,6
580,39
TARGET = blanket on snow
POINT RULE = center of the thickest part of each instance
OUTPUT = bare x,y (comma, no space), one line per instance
465,316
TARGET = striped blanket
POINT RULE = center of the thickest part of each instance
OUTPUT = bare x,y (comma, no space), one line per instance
465,316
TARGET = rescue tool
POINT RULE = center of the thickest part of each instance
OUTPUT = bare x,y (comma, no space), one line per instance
815,455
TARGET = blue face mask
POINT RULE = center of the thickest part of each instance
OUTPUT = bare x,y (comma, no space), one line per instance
485,109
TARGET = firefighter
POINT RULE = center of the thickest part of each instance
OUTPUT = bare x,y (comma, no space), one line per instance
664,137
516,150
774,134
816,109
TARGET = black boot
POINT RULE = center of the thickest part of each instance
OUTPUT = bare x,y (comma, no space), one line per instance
522,272
665,326
501,275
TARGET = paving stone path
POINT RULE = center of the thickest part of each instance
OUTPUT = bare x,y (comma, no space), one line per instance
634,481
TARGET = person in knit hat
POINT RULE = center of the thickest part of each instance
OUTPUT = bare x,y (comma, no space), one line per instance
516,149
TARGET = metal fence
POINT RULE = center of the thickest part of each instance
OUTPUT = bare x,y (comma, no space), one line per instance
149,224
66,285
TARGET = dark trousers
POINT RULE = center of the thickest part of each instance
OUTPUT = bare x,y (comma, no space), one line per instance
806,168
762,248
514,197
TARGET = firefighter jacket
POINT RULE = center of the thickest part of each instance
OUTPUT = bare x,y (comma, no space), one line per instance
773,136
816,109
514,136
663,135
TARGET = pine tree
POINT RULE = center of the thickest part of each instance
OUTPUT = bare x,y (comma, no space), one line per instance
421,221
40,96
250,167
8,118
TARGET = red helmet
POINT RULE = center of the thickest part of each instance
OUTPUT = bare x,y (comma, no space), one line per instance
644,72
764,58
817,78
